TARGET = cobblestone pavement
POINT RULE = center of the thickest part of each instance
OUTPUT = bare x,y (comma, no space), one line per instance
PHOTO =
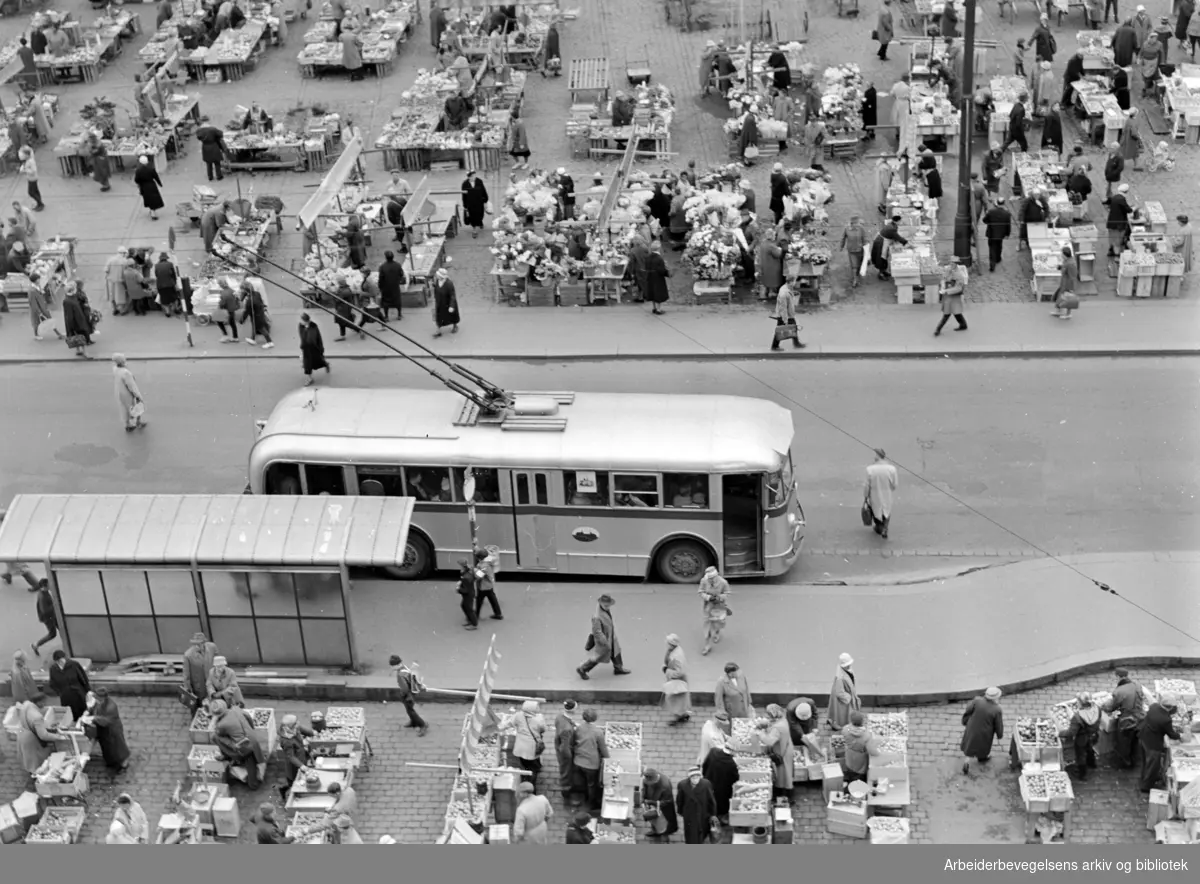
409,802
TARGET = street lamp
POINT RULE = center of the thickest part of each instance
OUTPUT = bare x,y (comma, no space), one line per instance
964,230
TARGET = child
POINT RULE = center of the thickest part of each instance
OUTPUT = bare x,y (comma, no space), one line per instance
1019,59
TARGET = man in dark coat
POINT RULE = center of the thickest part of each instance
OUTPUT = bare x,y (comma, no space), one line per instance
564,749
725,69
391,278
656,277
602,642
1124,44
1016,124
1126,707
657,795
312,348
880,248
445,302
46,614
697,807
779,189
1156,727
983,724
197,663
870,111
1079,183
213,150
721,770
997,228
1072,75
70,682
1043,41
105,717
267,828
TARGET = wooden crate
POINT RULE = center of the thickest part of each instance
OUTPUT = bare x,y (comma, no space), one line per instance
572,294
850,830
206,759
59,717
75,788
746,818
267,734
201,734
1032,805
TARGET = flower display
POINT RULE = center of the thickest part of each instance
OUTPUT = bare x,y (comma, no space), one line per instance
533,195
809,251
703,206
326,278
712,253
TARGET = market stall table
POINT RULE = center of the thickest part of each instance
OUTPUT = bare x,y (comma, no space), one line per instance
589,75
225,60
275,150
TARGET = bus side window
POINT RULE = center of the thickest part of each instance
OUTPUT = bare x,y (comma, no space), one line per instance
325,479
430,484
543,490
635,490
574,496
283,478
522,489
487,484
685,490
380,482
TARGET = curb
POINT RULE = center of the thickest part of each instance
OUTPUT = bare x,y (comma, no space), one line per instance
376,689
726,356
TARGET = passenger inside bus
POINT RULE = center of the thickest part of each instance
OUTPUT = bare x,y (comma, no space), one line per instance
444,495
416,486
575,497
635,490
630,500
487,484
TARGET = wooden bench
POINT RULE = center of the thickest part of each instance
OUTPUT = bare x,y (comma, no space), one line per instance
588,75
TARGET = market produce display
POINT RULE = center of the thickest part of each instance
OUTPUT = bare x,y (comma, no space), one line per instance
623,741
753,764
1047,262
1186,768
892,744
203,720
345,716
60,768
712,252
204,752
1061,713
892,824
751,798
77,55
1053,784
261,717
623,729
615,835
1039,733
348,734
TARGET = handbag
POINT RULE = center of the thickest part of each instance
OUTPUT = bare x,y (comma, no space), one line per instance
789,331
539,745
868,517
875,35
590,643
77,341
186,697
1068,301
751,152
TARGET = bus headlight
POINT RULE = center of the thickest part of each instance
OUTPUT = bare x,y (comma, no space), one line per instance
792,520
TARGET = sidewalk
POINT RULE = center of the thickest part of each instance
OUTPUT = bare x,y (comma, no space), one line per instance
1158,328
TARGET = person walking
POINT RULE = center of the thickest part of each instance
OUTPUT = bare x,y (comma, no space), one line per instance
590,750
657,273
697,808
770,261
843,696
1083,733
474,200
254,308
409,685
485,564
777,742
166,281
564,749
21,678
784,315
997,223
69,682
1113,167
391,279
869,110
212,151
952,288
531,821
854,241
101,167
676,695
1156,728
783,109
518,141
1127,707
1119,211
129,395
780,188
1043,42
861,744
148,184
1017,124
732,693
39,307
529,743
104,718
714,595
197,663
983,724
882,479
47,615
29,171
114,281
137,295
468,592
228,305
602,642
884,29
445,303
312,349
1065,299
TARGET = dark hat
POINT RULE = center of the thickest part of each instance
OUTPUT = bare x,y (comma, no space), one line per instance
649,774
606,599
569,704
1122,673
101,692
60,654
582,818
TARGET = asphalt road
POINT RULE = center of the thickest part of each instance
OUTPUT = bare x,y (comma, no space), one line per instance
1073,456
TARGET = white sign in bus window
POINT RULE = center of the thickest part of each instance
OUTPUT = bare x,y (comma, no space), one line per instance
585,482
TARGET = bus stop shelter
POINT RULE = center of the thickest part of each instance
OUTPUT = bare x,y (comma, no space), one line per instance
265,577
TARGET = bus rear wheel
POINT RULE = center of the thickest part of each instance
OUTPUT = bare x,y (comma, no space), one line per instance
683,561
418,560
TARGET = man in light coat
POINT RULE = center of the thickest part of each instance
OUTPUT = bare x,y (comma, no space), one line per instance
530,823
1126,707
882,479
843,695
732,694
603,643
197,663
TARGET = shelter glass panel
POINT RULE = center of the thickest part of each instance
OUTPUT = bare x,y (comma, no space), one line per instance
273,594
81,593
237,639
326,643
175,633
136,636
280,641
91,637
173,593
126,592
226,593
319,594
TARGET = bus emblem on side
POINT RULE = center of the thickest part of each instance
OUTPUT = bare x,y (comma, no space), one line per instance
585,535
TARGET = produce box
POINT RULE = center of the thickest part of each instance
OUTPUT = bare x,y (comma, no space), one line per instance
265,730
892,750
350,716
750,805
888,724
888,830
206,758
297,832
338,740
745,737
1060,713
799,766
201,728
754,768
615,833
58,825
58,716
1184,770
624,742
73,789
616,808
1184,690
1046,791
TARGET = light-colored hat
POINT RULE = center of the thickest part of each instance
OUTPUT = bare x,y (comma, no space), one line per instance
441,273
561,170
1168,701
143,161
1123,188
1116,145
530,707
344,822
386,839
744,184
992,693
804,712
1085,699
1141,9
220,661
845,660
525,788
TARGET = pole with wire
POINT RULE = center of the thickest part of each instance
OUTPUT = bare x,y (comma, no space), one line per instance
964,230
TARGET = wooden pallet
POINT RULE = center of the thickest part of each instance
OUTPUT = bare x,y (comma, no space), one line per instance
588,75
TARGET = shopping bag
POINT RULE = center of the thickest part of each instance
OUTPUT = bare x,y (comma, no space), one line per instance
1068,301
751,152
51,327
866,262
138,409
868,517
789,331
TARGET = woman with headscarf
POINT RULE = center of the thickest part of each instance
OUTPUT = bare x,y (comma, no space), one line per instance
1182,242
21,678
148,184
530,741
676,696
293,749
983,724
445,303
222,683
657,272
474,200
697,807
714,596
130,815
721,770
34,742
129,395
552,51
101,166
1083,733
69,682
39,306
843,696
77,321
233,734
104,719
658,806
118,834
166,281
777,741
1149,58
748,140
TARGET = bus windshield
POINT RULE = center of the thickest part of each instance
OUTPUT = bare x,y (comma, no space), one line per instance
779,484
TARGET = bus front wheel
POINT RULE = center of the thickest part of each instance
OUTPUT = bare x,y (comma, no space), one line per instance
418,560
683,561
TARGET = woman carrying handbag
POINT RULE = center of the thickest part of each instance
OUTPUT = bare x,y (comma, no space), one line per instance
677,696
785,318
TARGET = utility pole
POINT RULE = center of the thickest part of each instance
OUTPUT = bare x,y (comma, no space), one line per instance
964,230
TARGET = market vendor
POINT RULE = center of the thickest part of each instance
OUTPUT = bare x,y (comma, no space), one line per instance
398,186
1035,211
882,245
222,683
233,734
622,110
457,111
801,714
57,41
256,120
726,72
461,70
993,167
38,41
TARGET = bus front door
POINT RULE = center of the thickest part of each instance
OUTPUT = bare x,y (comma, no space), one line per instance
533,521
741,502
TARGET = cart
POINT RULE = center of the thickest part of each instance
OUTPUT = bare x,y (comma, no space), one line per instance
846,9
638,71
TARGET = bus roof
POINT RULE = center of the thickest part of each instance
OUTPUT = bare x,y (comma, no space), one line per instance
604,431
